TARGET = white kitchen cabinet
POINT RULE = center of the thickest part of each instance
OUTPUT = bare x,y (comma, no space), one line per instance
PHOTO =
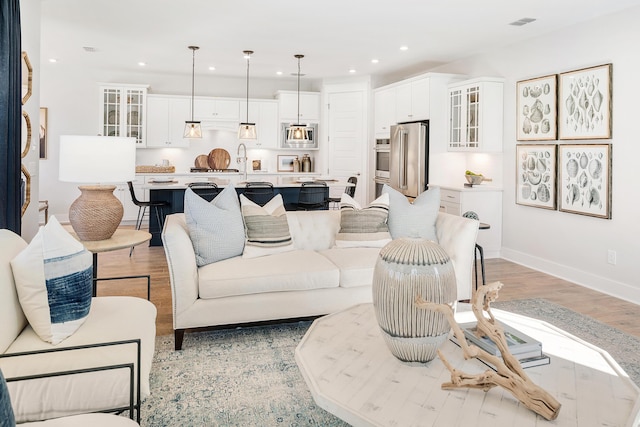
384,111
412,100
487,203
123,111
217,109
166,116
264,113
475,115
288,106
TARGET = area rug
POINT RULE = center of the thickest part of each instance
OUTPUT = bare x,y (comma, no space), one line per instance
248,376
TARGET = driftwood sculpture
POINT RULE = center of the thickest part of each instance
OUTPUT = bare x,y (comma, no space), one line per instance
509,374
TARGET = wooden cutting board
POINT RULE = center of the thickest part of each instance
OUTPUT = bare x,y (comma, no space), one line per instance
219,158
202,161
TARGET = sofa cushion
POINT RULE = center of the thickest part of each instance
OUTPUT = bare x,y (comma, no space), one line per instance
84,420
417,219
288,271
355,264
6,411
314,230
216,228
53,277
363,227
266,227
12,318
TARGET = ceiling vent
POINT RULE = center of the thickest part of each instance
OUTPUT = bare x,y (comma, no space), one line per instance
89,49
522,21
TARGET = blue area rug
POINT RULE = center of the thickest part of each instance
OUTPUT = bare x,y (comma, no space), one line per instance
248,376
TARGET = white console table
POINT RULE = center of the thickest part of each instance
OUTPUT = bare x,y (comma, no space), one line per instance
352,374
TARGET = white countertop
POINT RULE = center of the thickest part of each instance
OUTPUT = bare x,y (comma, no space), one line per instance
461,187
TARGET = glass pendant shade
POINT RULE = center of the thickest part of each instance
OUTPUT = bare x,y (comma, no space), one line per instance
247,130
298,132
192,129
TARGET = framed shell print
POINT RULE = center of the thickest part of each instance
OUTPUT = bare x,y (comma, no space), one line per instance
536,109
584,103
536,175
584,180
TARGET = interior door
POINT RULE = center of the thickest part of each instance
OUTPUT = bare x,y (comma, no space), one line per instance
347,140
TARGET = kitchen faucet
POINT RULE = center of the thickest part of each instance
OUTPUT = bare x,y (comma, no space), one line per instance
243,159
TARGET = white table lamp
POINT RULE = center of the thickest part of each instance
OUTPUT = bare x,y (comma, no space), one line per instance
96,160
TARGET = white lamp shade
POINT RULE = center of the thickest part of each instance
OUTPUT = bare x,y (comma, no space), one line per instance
97,159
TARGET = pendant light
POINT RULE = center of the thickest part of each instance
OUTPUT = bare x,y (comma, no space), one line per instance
192,128
247,130
298,132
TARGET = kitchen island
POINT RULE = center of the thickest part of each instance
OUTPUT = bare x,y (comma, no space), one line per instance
173,194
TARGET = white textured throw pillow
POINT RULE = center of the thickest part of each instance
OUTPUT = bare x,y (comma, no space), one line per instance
417,219
266,227
363,227
216,228
54,282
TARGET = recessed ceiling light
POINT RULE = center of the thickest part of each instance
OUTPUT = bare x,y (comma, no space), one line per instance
522,21
404,48
374,61
352,71
142,64
212,68
279,73
53,60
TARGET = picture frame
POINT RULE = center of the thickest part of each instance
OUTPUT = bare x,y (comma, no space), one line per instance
43,132
536,109
584,103
584,179
285,163
256,165
536,175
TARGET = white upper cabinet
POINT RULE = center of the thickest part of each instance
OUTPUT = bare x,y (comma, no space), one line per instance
264,113
123,111
217,109
412,100
288,106
475,115
166,116
384,114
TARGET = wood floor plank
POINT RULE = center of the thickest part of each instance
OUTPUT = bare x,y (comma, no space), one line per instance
519,283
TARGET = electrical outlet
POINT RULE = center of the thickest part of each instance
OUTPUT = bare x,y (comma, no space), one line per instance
611,257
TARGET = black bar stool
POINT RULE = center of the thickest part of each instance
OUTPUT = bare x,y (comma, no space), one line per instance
142,208
478,249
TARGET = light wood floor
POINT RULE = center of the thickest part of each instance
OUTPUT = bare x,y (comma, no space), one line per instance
519,283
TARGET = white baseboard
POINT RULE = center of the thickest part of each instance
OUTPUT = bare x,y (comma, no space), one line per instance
574,275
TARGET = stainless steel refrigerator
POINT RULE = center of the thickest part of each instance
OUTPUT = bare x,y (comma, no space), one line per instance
409,165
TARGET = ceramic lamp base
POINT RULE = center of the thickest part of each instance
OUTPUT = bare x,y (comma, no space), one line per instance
97,213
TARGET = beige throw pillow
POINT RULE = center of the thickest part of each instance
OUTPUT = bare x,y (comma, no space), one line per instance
266,228
363,227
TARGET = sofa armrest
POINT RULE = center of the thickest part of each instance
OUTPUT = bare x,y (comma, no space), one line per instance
457,236
134,374
181,260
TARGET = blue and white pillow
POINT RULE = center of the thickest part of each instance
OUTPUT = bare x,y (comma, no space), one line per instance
216,228
54,282
7,418
417,219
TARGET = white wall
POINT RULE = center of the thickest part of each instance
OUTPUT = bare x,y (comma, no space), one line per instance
568,245
30,23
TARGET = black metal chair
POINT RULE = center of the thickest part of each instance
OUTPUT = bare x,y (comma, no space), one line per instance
350,190
313,196
142,208
206,190
259,192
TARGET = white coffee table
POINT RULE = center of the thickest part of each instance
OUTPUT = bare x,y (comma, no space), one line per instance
353,375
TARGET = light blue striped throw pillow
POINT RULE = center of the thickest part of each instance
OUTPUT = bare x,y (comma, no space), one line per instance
417,219
216,228
54,282
363,227
7,418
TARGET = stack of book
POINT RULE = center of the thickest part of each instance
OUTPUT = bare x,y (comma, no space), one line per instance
527,350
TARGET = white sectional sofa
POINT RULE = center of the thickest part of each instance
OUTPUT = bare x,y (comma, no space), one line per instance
314,279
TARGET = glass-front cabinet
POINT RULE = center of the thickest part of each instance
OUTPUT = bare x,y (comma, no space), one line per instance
123,111
476,115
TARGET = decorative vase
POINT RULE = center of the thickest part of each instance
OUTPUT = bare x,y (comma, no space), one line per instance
96,214
407,268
